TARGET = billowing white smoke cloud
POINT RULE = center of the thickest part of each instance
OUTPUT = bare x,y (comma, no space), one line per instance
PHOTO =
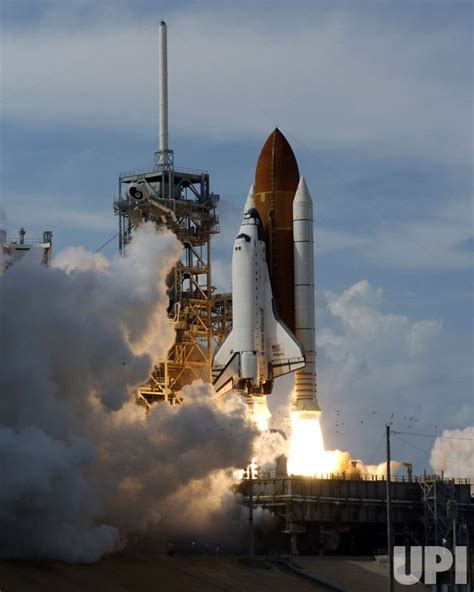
79,259
375,366
453,453
82,467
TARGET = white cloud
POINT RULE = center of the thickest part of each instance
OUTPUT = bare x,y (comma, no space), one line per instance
434,242
338,80
44,210
372,363
79,259
453,453
329,239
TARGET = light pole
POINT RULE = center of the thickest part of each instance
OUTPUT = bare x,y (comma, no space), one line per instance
389,515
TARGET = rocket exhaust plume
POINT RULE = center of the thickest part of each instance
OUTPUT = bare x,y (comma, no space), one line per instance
308,456
259,412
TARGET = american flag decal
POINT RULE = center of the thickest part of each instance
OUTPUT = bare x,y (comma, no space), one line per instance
276,349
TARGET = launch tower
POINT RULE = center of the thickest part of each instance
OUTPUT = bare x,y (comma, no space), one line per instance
180,200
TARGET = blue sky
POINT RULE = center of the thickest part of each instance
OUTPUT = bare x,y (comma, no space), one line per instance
375,98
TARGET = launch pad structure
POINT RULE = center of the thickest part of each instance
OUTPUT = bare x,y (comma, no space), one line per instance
346,514
179,200
338,514
182,202
15,248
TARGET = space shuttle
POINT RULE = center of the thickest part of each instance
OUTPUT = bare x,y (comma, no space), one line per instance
260,346
273,302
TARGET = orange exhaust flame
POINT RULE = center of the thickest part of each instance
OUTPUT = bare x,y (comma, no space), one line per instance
308,457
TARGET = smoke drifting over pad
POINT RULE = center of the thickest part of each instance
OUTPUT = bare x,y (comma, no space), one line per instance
453,453
81,466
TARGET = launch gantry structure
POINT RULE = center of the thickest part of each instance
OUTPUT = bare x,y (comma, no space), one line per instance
181,201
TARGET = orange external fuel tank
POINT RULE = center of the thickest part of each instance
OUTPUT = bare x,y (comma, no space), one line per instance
276,180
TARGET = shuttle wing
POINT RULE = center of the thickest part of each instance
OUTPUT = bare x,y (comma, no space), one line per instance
227,375
225,351
226,362
285,353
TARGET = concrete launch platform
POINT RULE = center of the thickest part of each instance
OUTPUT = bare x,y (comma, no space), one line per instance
346,515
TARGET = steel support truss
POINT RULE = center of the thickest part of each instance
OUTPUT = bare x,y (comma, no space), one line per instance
437,493
182,202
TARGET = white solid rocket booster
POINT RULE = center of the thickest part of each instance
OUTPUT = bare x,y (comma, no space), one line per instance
305,378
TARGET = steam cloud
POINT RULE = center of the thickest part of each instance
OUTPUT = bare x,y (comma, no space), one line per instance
453,453
82,467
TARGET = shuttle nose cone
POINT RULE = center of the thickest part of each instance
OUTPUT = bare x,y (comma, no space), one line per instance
250,201
277,169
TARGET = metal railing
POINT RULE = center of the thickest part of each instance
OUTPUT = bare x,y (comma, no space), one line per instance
26,242
137,172
271,475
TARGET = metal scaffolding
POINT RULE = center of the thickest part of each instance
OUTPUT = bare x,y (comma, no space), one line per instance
181,201
221,318
437,494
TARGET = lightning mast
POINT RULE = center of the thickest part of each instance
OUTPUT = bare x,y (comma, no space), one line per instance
164,157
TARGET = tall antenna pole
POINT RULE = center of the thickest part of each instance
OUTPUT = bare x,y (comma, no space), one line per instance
163,96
